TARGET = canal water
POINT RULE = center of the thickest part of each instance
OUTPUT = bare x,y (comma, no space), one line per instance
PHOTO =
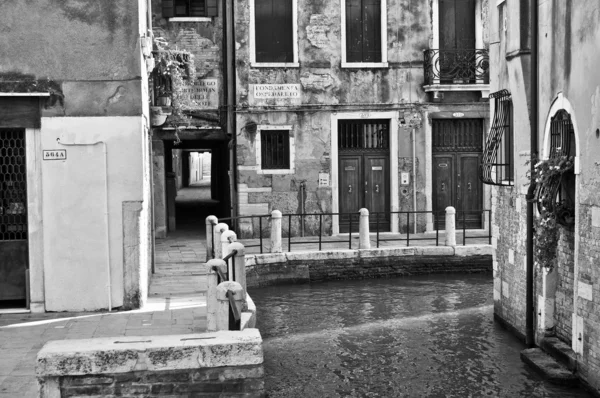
426,336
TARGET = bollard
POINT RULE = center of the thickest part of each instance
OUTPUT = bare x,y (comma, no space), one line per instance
364,242
225,318
227,238
240,264
211,222
450,226
276,231
212,281
219,229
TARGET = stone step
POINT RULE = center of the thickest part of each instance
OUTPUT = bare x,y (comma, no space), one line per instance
548,367
560,351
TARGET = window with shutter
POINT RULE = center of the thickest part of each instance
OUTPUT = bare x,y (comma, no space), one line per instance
189,8
363,30
273,31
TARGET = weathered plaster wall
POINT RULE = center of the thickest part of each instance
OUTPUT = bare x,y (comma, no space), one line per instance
325,88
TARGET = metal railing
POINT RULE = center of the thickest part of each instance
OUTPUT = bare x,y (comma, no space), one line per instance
460,66
406,221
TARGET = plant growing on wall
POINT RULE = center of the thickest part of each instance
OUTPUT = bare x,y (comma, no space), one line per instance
548,176
175,70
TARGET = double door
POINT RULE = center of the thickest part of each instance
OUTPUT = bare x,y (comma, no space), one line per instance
457,148
364,183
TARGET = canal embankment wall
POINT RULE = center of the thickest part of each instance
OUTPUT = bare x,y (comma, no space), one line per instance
304,267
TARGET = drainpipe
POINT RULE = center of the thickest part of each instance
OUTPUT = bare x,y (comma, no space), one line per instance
108,284
414,177
230,83
302,193
529,307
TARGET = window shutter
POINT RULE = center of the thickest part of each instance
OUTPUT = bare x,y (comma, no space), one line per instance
211,8
167,8
371,31
273,30
353,31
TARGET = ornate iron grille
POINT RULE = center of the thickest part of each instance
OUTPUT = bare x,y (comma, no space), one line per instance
275,149
562,144
464,135
13,185
361,135
497,163
467,66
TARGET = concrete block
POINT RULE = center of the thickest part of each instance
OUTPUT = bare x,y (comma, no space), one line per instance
596,216
270,258
511,256
254,209
151,353
322,255
584,290
505,289
435,250
387,252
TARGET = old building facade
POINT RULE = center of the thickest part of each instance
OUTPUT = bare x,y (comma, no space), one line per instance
566,298
74,164
353,103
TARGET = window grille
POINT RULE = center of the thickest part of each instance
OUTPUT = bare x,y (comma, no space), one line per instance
13,185
363,134
562,144
273,25
189,8
363,31
497,164
275,149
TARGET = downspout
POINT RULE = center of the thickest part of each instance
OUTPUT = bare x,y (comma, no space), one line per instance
533,119
414,176
108,284
230,98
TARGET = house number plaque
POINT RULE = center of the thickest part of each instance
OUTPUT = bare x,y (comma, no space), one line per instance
55,154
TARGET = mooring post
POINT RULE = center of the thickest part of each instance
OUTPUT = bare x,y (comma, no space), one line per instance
364,241
450,226
212,281
227,238
276,231
211,222
229,292
240,264
219,229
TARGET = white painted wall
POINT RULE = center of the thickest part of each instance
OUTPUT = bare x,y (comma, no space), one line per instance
82,207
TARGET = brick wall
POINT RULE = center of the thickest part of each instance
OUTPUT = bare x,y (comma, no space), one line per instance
509,229
565,262
589,310
239,381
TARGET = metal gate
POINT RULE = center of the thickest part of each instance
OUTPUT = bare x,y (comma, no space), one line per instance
13,214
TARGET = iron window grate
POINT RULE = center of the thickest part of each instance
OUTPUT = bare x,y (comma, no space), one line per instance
275,149
497,164
13,185
355,135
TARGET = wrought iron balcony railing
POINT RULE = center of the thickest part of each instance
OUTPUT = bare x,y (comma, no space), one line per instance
467,66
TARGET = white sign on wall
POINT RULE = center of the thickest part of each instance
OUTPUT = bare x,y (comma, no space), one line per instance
277,91
204,94
323,179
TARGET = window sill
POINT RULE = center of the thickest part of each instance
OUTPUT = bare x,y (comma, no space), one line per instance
190,19
364,64
275,171
275,64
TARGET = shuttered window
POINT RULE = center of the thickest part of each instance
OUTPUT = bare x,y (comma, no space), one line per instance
273,26
189,8
363,31
275,149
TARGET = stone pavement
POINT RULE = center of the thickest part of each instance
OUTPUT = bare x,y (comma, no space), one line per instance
176,305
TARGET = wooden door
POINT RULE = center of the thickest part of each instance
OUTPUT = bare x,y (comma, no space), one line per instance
457,147
377,192
350,190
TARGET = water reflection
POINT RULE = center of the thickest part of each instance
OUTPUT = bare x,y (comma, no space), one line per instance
407,337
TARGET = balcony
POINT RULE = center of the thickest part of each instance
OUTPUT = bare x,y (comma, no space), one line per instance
457,70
